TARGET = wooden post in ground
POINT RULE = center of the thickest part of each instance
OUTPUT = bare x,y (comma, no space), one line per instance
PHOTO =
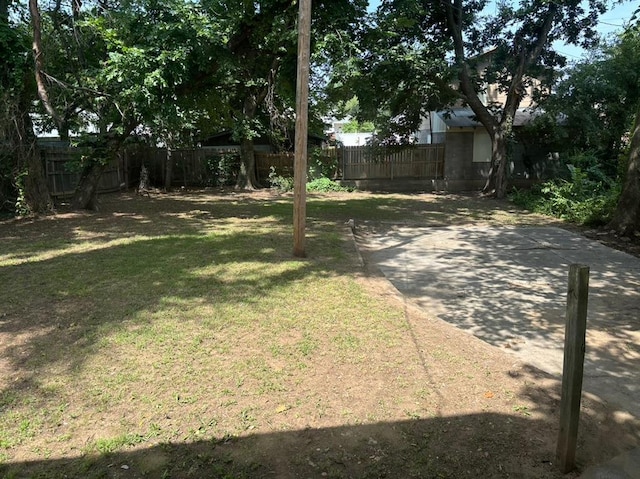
574,350
302,123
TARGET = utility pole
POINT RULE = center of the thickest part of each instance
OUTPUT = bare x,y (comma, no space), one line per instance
302,127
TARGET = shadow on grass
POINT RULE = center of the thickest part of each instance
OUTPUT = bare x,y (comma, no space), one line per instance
487,445
55,310
62,299
126,215
477,445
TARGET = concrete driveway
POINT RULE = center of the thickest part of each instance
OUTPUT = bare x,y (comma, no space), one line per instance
508,286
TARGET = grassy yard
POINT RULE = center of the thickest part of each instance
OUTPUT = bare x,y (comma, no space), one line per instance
176,336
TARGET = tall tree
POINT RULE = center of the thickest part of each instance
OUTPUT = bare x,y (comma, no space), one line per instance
596,101
263,34
19,150
162,69
260,62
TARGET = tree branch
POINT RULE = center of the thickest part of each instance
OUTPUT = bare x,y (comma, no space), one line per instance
43,94
526,59
454,23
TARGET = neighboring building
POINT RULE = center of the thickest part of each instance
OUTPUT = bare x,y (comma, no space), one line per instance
468,144
346,139
468,150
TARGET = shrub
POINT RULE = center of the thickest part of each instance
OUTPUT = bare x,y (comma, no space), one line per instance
223,169
281,183
286,183
588,197
325,185
322,165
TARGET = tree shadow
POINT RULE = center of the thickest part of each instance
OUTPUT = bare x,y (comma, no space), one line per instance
475,445
127,215
74,299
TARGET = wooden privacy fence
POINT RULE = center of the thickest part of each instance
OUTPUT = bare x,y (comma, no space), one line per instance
282,163
62,179
191,166
208,166
361,162
417,161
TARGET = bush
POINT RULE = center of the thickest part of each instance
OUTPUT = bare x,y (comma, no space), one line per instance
281,183
286,183
588,197
325,185
322,165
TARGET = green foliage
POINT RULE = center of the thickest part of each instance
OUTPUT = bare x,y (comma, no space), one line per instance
223,169
14,56
21,207
281,183
7,180
325,185
597,100
355,126
321,168
321,164
587,196
15,91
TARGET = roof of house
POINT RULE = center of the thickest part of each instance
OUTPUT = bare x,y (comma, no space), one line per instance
465,118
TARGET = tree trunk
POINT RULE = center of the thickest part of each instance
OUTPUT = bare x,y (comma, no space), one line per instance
86,192
85,196
496,184
168,170
38,57
35,190
499,159
626,219
4,11
247,178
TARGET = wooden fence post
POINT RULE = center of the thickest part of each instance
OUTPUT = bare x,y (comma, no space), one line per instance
574,350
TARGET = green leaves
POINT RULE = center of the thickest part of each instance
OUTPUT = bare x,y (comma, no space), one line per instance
597,100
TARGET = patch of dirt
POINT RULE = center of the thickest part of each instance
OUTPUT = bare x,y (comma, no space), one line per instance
629,245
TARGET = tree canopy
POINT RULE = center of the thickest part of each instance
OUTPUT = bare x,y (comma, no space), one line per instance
176,71
626,68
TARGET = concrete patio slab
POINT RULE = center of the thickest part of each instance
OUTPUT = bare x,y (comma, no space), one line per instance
508,286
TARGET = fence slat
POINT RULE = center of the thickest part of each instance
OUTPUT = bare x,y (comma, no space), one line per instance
62,180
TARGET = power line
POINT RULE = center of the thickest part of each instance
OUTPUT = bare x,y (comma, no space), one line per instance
610,24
